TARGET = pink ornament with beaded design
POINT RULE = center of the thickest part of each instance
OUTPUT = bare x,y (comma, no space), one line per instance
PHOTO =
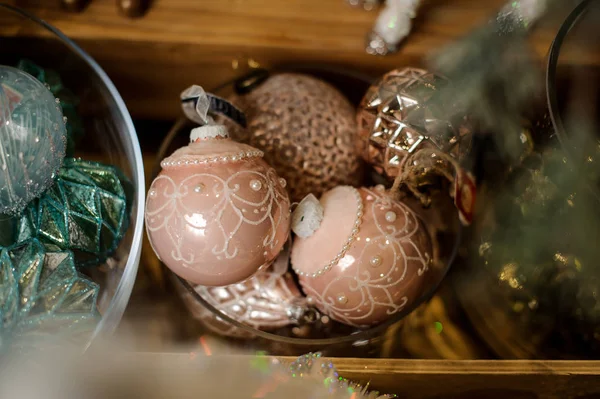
217,213
368,258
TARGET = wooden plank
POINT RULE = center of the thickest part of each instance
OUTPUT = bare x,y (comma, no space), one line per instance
426,379
181,42
293,24
476,378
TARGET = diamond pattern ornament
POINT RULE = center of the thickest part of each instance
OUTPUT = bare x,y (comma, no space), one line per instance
85,211
42,292
400,115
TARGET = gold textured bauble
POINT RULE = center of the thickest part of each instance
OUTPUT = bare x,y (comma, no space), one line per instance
400,115
307,130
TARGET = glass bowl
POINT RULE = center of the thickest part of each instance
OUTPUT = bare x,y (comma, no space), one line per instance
573,89
313,334
540,299
110,138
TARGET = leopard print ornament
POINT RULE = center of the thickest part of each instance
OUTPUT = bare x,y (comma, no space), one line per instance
307,130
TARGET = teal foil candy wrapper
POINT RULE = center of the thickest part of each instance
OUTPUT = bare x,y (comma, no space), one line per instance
42,292
85,211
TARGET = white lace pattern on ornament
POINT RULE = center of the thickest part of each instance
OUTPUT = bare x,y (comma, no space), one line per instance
173,214
393,242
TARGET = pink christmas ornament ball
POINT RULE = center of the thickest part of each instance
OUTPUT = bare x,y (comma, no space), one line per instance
368,258
217,213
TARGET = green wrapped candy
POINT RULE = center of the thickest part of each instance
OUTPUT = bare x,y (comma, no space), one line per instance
85,211
41,292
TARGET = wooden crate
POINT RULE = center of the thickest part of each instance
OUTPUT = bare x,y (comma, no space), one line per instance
182,42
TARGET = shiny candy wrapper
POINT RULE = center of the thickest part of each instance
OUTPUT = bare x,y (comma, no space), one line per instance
41,292
85,211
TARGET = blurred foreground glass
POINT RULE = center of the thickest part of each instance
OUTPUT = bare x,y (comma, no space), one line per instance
573,88
110,138
532,285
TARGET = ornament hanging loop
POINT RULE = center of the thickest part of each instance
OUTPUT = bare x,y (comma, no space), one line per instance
197,105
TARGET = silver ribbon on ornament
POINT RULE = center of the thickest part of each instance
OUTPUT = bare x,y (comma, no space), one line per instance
197,105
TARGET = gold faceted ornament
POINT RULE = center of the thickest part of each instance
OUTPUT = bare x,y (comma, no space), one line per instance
307,130
400,115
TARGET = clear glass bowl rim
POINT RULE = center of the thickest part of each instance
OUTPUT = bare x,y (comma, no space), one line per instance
551,70
113,314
